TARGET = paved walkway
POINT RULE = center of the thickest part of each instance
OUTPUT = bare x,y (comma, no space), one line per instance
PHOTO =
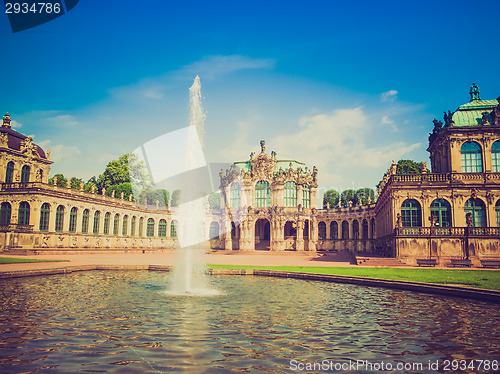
167,259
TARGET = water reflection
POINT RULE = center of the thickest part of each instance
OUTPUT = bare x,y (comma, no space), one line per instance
124,322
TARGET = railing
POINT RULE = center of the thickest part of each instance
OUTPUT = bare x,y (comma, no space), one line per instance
447,232
13,227
14,187
448,177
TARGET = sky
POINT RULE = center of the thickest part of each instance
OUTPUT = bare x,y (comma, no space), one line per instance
343,86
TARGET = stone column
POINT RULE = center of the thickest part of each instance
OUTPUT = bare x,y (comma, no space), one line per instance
299,241
228,240
52,217
300,195
490,212
313,197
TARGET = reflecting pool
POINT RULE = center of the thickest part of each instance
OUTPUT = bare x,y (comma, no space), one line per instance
126,322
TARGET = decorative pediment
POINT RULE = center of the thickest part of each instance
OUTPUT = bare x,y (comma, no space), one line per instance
263,165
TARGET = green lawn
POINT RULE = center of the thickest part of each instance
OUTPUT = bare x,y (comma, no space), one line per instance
12,260
489,279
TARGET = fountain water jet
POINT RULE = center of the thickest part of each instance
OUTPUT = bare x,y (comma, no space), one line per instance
189,276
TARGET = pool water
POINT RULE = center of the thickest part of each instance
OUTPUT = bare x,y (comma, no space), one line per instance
126,322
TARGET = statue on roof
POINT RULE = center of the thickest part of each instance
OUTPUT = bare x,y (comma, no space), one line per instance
437,124
263,146
6,120
448,119
474,93
485,118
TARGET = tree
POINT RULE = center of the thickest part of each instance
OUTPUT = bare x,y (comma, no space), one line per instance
408,167
125,187
332,197
364,194
61,180
151,196
176,197
137,173
346,196
116,172
75,183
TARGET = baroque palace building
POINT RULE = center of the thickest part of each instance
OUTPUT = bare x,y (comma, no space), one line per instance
450,213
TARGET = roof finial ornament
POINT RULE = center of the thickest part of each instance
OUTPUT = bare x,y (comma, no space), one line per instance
6,120
263,146
474,93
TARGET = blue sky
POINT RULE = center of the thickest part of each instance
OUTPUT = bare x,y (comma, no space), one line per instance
344,86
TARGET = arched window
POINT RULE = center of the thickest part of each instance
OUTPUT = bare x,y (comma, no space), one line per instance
59,218
9,174
478,212
97,216
355,229
162,228
107,217
364,229
321,230
441,211
495,157
124,223
24,213
497,211
334,230
40,173
116,223
345,230
132,226
262,194
373,228
85,221
173,229
472,161
72,220
25,174
141,226
5,213
411,213
306,196
44,217
235,195
290,194
214,230
150,232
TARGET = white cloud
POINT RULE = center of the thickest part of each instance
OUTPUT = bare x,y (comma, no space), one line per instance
240,146
387,121
60,152
391,94
15,124
212,66
64,120
337,143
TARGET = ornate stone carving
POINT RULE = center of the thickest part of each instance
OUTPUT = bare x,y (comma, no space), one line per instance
263,166
4,139
27,147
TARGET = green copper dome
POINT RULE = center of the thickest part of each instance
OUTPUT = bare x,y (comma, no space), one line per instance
477,112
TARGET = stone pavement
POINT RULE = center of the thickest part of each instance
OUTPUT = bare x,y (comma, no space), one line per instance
168,259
